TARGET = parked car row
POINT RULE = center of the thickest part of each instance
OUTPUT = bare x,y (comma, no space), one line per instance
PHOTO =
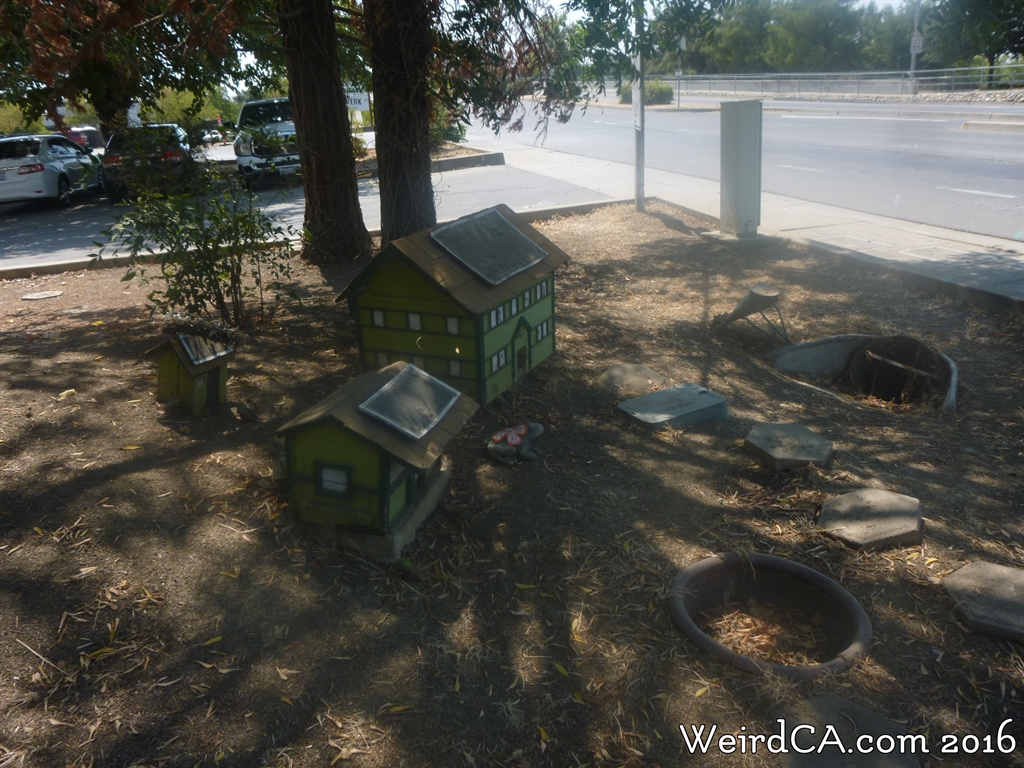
56,167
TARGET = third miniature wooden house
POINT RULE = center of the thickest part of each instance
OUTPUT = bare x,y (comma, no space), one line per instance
471,302
192,370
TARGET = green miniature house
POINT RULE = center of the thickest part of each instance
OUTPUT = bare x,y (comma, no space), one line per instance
471,302
368,457
192,370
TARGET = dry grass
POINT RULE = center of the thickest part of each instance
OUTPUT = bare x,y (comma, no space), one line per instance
162,607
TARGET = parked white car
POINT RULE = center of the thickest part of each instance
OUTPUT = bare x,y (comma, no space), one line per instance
266,141
45,166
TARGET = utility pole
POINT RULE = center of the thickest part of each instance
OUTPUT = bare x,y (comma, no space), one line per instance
916,41
638,104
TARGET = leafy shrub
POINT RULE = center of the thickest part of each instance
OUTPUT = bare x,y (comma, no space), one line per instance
445,127
655,92
214,248
658,92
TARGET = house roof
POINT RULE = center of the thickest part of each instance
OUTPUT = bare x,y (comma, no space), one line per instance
456,279
197,353
342,407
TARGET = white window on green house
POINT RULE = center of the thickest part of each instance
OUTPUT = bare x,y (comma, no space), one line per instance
497,316
452,324
378,318
415,324
515,306
382,359
418,362
494,363
454,368
501,358
526,300
543,329
333,480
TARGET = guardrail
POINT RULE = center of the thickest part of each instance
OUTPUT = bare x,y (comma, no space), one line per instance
1003,76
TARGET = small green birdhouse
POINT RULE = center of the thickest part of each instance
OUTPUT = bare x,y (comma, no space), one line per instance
192,370
368,457
471,302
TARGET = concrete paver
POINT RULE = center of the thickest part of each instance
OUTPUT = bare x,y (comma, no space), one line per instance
872,518
677,407
787,446
989,598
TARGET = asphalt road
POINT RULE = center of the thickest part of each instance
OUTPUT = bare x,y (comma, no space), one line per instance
907,161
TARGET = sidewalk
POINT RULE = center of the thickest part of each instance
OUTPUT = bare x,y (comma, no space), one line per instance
987,271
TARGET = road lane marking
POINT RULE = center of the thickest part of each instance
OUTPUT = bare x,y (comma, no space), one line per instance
979,192
801,168
864,117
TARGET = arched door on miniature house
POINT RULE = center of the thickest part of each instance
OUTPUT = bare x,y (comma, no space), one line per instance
521,350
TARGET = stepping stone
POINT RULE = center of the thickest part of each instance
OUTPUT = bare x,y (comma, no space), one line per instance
787,446
849,721
873,519
989,599
630,379
681,406
42,295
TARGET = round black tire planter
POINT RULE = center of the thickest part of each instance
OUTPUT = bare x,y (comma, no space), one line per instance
730,577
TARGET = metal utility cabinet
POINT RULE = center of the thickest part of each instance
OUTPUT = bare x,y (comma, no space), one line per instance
741,168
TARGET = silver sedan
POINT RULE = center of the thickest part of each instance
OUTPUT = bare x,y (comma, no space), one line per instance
45,166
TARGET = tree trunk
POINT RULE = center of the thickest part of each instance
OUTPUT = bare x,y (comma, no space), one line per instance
334,229
399,37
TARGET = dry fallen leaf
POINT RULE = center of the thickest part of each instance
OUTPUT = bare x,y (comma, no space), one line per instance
130,448
283,673
212,640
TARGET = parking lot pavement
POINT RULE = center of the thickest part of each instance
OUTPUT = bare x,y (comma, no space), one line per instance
37,238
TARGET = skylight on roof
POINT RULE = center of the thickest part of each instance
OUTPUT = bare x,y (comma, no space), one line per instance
202,350
413,402
489,245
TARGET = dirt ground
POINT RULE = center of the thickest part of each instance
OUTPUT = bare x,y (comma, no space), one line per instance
160,606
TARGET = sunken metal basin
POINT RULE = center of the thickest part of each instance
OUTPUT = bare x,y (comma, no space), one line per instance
887,367
730,577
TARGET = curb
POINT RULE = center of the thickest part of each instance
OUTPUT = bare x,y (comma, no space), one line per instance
467,161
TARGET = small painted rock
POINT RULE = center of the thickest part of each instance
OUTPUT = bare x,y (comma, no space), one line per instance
515,444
